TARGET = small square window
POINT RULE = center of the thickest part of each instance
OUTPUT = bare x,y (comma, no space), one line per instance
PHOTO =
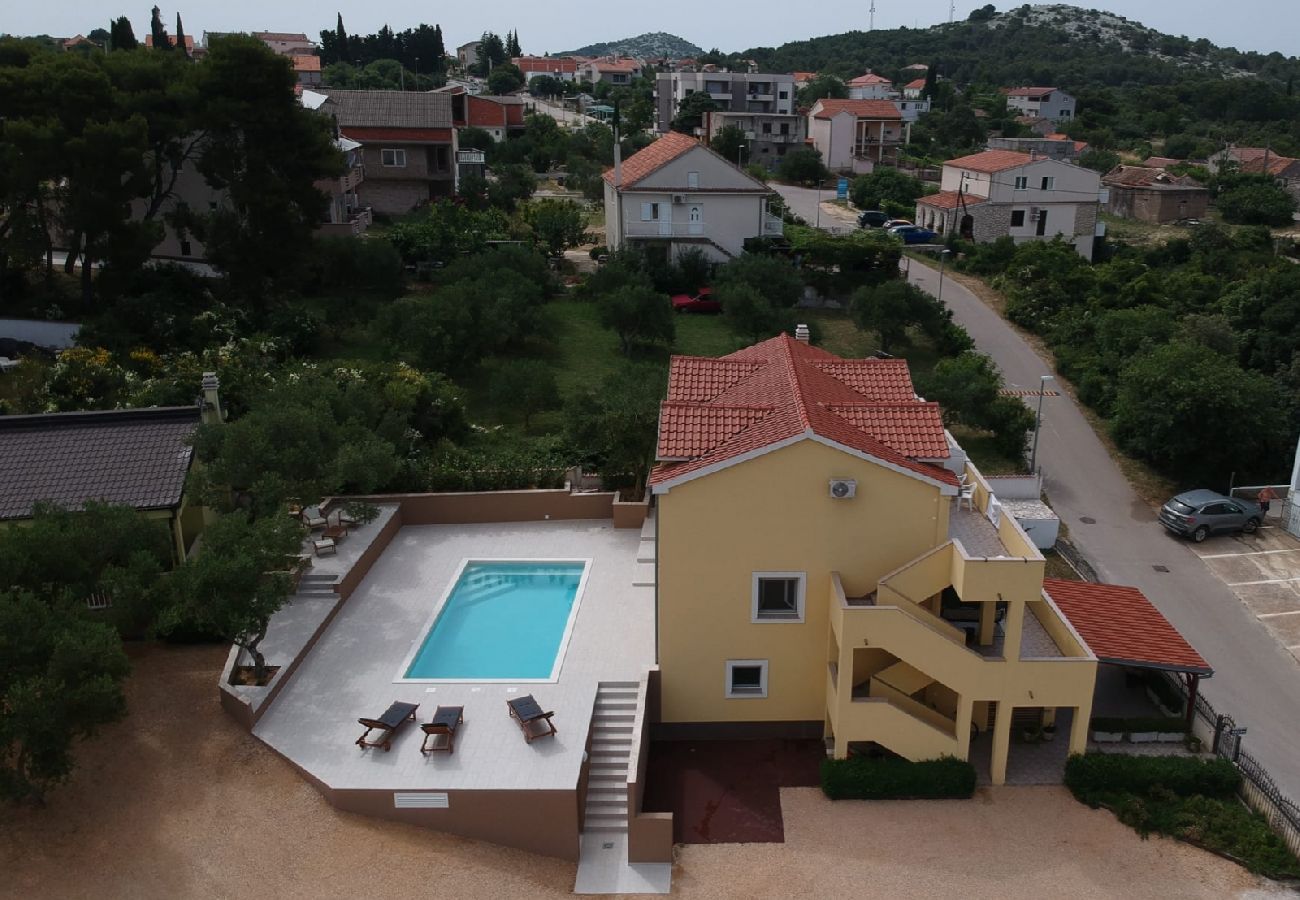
1017,218
1022,182
1049,183
692,180
767,128
393,158
778,597
746,678
185,248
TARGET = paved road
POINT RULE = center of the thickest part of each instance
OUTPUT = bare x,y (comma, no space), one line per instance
1256,680
803,203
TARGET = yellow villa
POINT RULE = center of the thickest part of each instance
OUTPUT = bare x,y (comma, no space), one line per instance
829,564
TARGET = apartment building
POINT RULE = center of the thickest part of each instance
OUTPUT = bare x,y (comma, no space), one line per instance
1042,102
734,92
857,135
768,136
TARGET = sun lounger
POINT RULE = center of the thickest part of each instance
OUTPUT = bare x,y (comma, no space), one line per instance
442,730
312,518
532,721
387,725
324,545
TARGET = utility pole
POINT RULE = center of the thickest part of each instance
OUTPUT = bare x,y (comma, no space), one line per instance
1038,421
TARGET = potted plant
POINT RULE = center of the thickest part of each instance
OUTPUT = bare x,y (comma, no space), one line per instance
1049,733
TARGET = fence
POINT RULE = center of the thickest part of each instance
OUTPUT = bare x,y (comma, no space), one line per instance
1258,789
1285,507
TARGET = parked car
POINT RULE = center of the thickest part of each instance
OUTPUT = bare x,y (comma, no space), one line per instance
894,223
872,218
1199,514
702,301
913,234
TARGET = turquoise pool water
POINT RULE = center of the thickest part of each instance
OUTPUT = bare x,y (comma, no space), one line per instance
502,620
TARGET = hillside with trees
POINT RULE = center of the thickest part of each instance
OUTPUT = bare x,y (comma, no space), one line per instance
652,44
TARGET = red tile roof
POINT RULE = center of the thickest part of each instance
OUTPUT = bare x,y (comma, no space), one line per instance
1121,626
863,109
869,78
950,200
304,63
616,65
654,157
915,85
1162,162
1275,165
1033,93
991,161
548,64
783,389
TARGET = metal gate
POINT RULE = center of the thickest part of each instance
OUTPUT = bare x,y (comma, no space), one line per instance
1227,738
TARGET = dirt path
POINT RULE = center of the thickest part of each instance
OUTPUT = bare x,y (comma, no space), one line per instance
176,802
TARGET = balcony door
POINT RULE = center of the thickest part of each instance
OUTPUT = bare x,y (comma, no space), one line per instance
695,220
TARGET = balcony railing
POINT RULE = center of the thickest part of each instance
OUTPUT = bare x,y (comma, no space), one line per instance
665,229
772,226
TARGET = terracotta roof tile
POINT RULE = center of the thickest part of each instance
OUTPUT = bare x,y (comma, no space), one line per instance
783,389
914,85
1122,626
1033,93
863,109
869,78
136,457
950,200
548,64
654,157
991,161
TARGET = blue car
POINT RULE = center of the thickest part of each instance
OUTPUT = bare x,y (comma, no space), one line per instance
914,234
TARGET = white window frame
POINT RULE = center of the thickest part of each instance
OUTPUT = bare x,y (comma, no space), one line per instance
396,154
693,180
650,211
1024,218
801,592
1048,183
1022,183
761,693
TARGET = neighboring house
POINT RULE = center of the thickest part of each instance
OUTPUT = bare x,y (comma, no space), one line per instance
614,70
1046,102
564,68
1153,195
128,457
1260,161
802,78
857,135
870,87
408,145
171,42
1037,124
1002,192
499,116
677,194
828,566
734,92
1079,146
286,43
78,42
307,68
1055,147
467,54
768,136
913,89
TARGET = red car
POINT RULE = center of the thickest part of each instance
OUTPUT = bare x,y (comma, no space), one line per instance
702,302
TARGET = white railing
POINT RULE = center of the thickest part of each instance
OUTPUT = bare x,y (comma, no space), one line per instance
773,226
665,229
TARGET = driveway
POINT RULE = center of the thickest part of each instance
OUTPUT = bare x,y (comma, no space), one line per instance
803,202
1256,680
1263,570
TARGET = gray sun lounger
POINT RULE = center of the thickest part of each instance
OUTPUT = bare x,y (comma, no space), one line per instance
532,721
387,725
442,729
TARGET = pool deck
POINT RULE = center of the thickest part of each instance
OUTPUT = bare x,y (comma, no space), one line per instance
352,669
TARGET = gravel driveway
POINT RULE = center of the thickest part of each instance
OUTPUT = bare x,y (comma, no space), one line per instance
177,802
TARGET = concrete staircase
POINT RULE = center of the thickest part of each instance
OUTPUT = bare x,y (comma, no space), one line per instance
646,552
317,586
611,745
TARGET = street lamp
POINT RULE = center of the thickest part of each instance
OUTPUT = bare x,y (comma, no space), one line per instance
1038,420
943,256
740,148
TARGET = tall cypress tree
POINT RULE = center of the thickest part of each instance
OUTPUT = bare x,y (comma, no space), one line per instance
180,38
342,38
122,35
158,32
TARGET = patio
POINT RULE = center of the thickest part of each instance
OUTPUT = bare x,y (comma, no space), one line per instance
353,669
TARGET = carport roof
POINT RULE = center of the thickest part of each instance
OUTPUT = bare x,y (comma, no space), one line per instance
1122,626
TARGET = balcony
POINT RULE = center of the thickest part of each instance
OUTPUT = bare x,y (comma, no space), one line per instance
470,157
772,226
663,229
352,178
357,222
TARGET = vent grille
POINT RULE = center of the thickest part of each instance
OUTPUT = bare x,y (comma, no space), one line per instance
421,800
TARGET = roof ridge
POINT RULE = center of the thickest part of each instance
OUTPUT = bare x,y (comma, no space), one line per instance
800,402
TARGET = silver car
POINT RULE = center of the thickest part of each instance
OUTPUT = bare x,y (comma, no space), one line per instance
1199,514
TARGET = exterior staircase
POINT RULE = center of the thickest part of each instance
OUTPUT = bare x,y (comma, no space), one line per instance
611,746
316,586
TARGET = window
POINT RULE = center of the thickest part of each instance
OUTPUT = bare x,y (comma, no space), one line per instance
778,597
394,158
767,128
784,95
185,248
785,127
1049,183
649,212
746,678
1017,218
695,215
1022,182
692,179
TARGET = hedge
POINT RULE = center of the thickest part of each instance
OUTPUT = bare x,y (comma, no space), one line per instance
863,778
1161,724
1093,774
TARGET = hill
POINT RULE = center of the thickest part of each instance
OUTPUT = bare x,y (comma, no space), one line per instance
657,43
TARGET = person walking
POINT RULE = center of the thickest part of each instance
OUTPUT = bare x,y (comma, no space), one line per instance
1263,498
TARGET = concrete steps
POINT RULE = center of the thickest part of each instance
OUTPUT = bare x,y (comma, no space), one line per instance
612,723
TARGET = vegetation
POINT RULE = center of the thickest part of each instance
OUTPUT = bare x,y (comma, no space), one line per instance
803,165
1183,797
1139,724
866,778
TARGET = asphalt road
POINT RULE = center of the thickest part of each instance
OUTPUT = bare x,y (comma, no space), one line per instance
1256,681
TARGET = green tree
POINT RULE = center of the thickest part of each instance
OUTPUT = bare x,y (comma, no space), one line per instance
803,165
505,79
615,422
967,388
823,87
772,276
181,49
239,581
545,86
869,191
556,224
491,53
525,387
512,45
1256,203
888,309
158,31
638,315
690,112
60,681
751,314
512,185
1099,160
122,35
728,142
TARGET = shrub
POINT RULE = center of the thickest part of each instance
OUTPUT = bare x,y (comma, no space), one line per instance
1093,775
1138,724
861,778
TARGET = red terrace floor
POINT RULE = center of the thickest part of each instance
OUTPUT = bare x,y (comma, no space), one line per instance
723,792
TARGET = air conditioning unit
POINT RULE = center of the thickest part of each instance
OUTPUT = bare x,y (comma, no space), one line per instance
843,488
679,198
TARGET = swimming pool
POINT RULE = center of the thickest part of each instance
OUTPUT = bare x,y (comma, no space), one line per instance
501,621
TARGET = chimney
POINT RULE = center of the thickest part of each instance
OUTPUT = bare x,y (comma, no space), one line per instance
801,333
211,408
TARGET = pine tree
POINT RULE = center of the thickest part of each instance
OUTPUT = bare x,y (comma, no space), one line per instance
440,49
342,37
158,32
512,44
122,35
180,38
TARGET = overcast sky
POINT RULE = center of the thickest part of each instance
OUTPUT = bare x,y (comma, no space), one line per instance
1263,25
